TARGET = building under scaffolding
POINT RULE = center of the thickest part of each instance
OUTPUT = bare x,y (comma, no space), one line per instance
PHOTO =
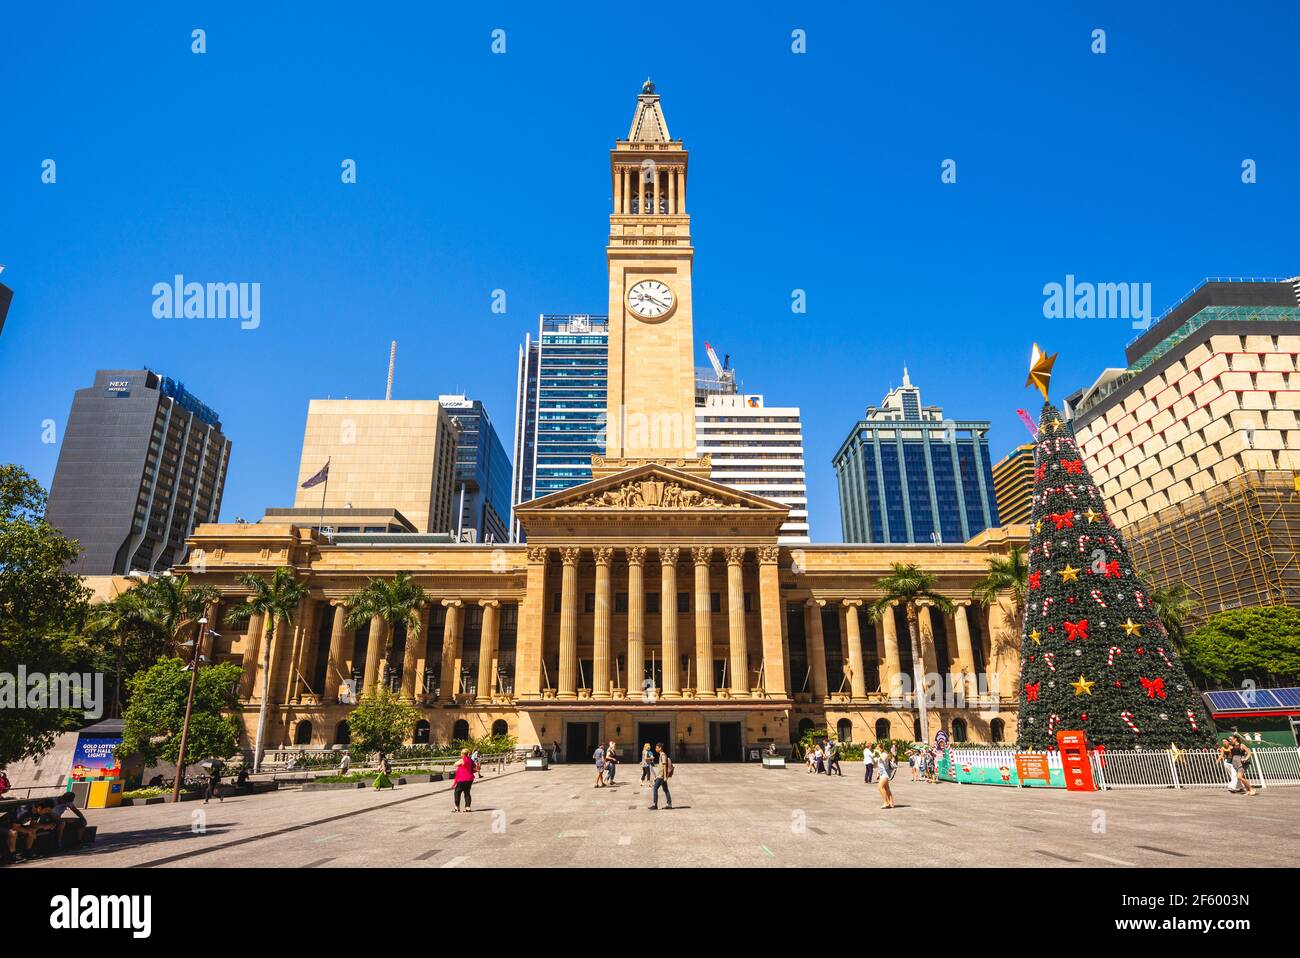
1233,545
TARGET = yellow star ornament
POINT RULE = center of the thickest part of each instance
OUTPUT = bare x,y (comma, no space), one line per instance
1132,628
1040,370
1092,516
1037,637
1083,686
1175,752
1069,573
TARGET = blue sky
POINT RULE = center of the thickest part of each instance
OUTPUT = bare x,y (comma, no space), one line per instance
480,171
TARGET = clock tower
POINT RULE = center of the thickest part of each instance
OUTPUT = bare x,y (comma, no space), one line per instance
651,399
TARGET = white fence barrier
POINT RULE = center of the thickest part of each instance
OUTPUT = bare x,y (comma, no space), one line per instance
1190,768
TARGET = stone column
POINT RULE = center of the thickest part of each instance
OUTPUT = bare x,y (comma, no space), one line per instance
736,621
619,180
266,654
336,671
858,679
411,659
449,680
769,602
304,631
672,191
657,176
925,632
703,623
375,653
252,643
965,653
893,659
636,620
668,621
681,191
600,629
532,627
422,650
1004,646
816,647
569,624
487,650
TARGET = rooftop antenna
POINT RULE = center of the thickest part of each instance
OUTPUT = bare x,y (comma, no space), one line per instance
392,360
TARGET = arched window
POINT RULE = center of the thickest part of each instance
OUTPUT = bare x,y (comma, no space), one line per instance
805,725
343,734
302,734
499,728
421,736
844,730
882,728
916,730
460,731
997,730
959,730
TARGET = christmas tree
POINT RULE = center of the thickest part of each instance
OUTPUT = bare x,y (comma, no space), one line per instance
1093,654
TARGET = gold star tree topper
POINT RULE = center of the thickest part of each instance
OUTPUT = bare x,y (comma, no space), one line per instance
1040,370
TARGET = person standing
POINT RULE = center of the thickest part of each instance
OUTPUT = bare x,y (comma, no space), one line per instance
464,779
833,758
663,772
598,757
555,752
214,783
1241,756
882,778
647,760
869,761
611,762
1225,756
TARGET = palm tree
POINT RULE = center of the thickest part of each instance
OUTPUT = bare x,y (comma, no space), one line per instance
1172,605
393,601
174,605
121,620
274,600
1009,574
910,585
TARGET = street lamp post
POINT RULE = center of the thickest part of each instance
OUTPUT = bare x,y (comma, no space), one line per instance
189,706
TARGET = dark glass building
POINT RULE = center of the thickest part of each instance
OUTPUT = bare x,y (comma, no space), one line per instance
143,462
907,474
481,489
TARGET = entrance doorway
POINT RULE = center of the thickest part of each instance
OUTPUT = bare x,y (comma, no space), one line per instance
580,739
725,742
654,733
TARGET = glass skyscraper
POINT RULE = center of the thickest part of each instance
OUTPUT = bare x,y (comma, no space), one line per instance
481,491
907,474
560,408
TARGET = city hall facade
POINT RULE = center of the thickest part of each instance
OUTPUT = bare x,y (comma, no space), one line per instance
648,604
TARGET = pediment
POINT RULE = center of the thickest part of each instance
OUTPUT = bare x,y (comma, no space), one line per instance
653,488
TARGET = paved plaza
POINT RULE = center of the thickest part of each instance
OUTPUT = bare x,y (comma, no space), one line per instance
725,815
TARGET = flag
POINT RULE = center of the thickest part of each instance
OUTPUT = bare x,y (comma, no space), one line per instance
322,476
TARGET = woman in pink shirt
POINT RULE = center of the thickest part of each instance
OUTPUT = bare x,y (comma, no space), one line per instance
464,778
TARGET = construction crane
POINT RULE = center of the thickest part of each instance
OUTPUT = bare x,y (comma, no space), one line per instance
726,376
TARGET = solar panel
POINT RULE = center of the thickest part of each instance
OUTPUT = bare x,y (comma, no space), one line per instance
1290,698
1225,701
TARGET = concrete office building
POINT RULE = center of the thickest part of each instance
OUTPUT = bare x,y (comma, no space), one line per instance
758,449
143,462
1195,444
386,454
1013,484
481,492
561,393
907,474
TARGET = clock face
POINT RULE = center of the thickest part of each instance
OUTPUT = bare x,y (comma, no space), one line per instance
650,299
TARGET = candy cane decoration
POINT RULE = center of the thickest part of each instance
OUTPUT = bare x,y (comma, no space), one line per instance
1083,542
1113,651
1069,490
1191,717
1047,603
1141,599
1165,657
1096,594
1050,659
1128,720
1052,721
1047,548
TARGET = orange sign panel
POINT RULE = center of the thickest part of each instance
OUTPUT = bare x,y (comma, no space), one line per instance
1032,767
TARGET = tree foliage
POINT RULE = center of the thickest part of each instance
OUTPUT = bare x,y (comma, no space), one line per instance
1260,645
151,728
1009,575
381,721
43,608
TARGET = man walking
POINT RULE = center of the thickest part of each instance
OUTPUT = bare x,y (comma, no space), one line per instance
663,772
598,757
833,758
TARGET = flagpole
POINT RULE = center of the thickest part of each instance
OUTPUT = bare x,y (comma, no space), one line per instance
322,498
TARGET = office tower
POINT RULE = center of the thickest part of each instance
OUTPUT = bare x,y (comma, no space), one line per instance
758,449
382,454
143,462
1013,484
1195,444
907,474
482,483
560,406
